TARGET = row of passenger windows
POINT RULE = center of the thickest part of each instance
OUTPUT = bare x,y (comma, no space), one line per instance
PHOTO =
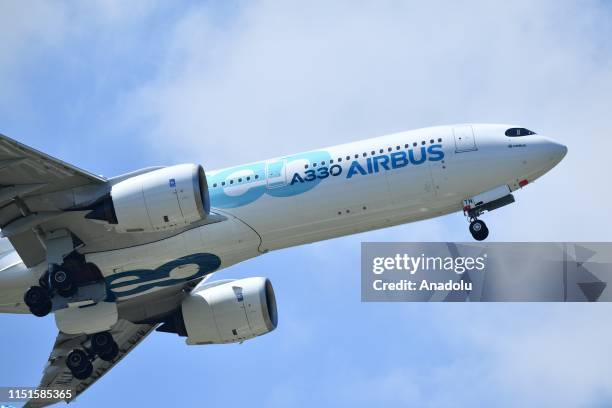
331,161
373,153
238,180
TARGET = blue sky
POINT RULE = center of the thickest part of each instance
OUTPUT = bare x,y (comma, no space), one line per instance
112,88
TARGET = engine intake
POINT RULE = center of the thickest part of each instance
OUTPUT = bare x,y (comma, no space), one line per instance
161,200
229,312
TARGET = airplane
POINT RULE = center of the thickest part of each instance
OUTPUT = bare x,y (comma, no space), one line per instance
116,258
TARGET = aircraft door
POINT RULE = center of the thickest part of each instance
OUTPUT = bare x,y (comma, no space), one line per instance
464,139
276,174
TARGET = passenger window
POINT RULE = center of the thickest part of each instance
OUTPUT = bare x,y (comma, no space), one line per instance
516,132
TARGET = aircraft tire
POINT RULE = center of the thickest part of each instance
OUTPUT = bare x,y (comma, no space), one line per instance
110,354
78,363
479,230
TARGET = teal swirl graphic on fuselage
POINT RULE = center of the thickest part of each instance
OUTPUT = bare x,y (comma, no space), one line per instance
242,185
172,273
294,175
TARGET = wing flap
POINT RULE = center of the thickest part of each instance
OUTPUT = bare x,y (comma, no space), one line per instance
21,165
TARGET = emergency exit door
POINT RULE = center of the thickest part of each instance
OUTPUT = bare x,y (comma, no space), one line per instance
275,174
464,139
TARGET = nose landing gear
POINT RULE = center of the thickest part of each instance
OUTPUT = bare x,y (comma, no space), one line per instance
488,201
479,229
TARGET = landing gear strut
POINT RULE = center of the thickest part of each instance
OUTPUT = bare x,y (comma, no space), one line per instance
479,229
79,361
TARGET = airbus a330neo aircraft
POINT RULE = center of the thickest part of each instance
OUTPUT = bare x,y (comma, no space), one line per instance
116,258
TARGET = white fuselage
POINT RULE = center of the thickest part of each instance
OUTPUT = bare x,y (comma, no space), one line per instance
323,194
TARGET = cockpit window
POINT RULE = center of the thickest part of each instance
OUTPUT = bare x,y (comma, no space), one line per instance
514,132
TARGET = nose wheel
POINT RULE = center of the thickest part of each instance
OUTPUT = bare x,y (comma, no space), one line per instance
479,230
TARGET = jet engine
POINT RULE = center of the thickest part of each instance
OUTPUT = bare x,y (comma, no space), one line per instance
160,200
226,312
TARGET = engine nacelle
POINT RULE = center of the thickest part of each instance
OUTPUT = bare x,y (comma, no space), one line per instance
229,312
160,200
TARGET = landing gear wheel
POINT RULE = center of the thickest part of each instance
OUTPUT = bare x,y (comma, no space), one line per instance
111,354
83,375
479,230
38,300
101,342
79,365
61,280
42,311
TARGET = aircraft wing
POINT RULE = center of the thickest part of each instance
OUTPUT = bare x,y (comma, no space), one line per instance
26,173
57,375
40,194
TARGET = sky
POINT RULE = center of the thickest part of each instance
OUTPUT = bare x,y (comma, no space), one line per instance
112,86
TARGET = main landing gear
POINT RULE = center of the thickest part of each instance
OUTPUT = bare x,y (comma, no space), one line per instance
60,284
79,361
57,280
478,229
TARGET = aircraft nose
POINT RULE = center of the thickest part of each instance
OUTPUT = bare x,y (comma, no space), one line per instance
556,150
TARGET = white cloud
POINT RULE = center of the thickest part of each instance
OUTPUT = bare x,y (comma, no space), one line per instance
43,37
